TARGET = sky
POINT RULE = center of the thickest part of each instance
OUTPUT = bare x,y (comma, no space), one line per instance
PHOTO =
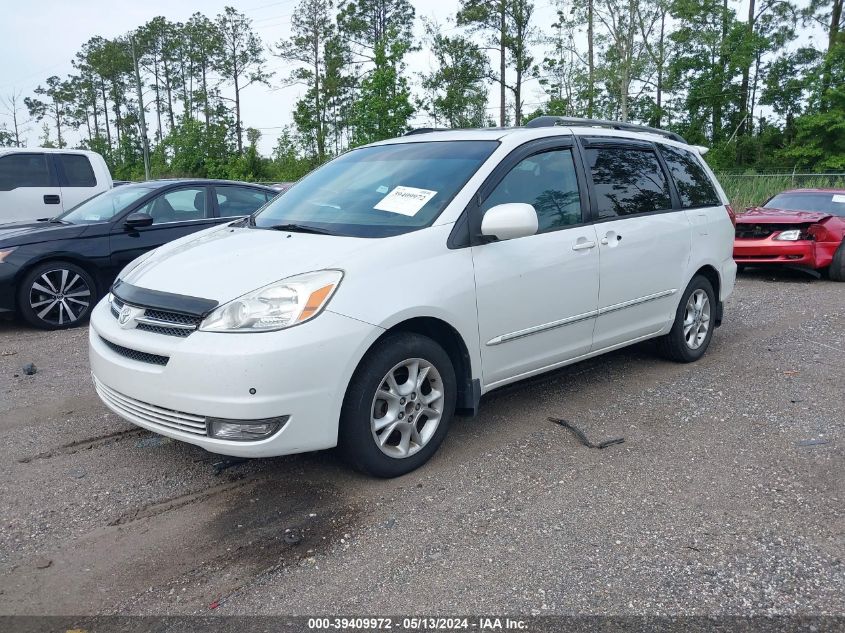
43,37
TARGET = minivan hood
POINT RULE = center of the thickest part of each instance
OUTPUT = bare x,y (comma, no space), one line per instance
20,233
762,215
226,263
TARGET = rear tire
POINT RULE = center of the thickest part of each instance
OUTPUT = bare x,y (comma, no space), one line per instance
56,296
695,320
836,271
398,406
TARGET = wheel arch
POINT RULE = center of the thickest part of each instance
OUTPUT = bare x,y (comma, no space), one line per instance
448,337
712,275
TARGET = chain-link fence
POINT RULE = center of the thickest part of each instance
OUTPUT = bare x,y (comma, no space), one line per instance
748,190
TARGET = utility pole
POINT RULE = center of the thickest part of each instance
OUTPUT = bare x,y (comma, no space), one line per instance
141,110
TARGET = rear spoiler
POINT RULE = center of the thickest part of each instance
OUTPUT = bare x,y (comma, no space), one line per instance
701,149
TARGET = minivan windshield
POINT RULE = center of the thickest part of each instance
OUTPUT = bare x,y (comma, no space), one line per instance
105,206
378,191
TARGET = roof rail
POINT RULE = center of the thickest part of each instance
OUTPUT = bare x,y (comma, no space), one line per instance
565,121
425,130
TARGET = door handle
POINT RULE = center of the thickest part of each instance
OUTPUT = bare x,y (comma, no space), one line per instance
51,199
609,237
583,246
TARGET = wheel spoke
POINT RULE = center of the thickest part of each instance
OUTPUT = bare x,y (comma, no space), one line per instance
382,438
413,374
70,312
431,396
421,377
37,286
47,309
390,379
82,303
46,279
382,423
415,436
405,441
72,283
63,282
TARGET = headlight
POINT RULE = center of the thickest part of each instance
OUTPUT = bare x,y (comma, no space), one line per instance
276,306
5,253
789,236
134,264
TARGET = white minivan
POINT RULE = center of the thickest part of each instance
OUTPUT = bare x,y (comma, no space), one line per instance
397,284
39,182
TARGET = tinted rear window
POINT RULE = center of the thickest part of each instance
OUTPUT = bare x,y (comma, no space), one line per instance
23,170
819,201
627,180
691,181
78,171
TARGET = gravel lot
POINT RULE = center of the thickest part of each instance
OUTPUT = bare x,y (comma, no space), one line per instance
725,498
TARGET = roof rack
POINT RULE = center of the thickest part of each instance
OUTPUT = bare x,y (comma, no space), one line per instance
565,121
425,130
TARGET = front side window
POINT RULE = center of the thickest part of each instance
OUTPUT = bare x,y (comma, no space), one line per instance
233,200
820,201
181,205
78,170
548,182
23,170
691,181
627,181
379,191
105,206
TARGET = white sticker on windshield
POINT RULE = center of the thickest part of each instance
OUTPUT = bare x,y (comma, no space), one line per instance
839,198
405,200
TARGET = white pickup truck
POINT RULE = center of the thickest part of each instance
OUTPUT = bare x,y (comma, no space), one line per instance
38,182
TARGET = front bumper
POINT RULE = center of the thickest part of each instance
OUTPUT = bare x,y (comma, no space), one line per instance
771,251
301,372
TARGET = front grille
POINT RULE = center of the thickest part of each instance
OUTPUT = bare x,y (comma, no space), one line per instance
167,331
134,354
136,410
164,317
756,231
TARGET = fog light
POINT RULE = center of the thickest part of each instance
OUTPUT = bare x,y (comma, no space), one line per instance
245,430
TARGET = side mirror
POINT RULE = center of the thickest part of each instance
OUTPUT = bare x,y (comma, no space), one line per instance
509,221
137,220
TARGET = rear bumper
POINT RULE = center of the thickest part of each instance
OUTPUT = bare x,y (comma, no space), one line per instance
805,253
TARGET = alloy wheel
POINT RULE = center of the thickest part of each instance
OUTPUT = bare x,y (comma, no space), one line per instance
697,319
407,408
59,297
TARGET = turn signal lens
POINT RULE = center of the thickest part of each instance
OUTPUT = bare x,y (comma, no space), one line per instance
5,253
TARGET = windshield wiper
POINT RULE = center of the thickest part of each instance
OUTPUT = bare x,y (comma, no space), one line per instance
300,228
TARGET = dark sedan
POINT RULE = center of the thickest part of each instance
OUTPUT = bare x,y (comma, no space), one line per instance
53,271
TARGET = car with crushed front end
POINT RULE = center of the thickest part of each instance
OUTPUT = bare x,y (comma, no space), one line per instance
798,228
397,284
53,271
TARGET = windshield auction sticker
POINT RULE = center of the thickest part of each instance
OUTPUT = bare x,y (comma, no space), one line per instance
405,200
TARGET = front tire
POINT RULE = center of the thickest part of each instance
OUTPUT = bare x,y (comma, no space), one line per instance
398,406
836,271
56,296
695,320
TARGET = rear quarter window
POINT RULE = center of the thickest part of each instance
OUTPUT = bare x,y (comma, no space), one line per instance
78,170
694,186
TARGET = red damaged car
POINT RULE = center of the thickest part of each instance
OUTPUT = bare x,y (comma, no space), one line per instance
801,228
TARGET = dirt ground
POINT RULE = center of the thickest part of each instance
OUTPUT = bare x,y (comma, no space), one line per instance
726,496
